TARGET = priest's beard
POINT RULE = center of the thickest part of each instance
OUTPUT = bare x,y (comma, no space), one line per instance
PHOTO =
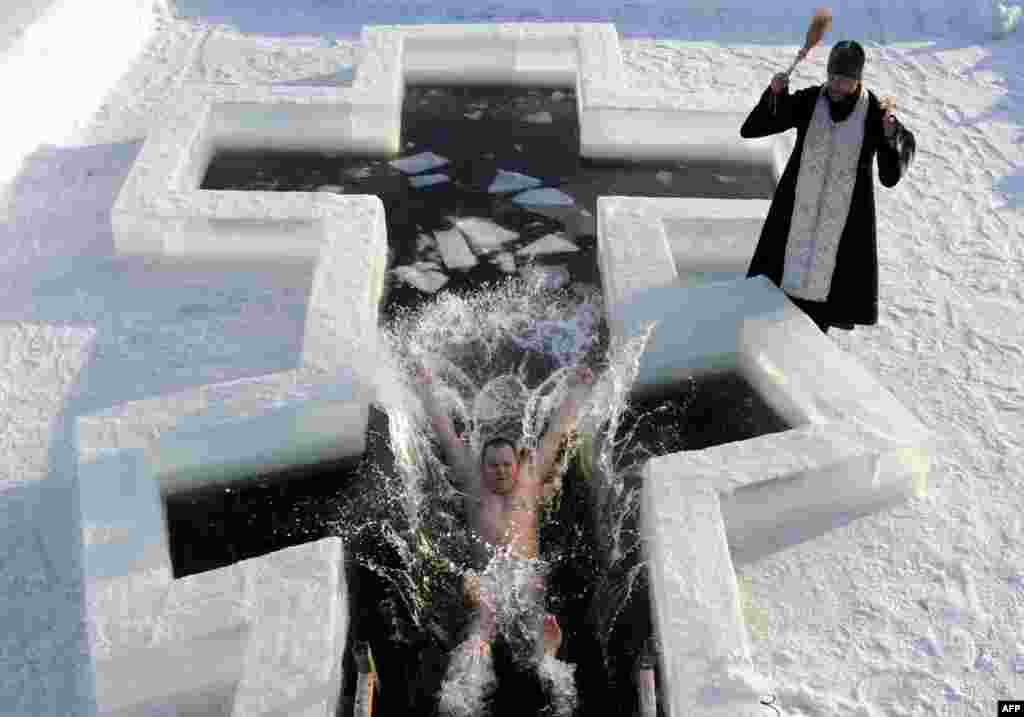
840,109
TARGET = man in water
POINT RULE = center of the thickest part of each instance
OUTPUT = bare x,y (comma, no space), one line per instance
504,494
818,243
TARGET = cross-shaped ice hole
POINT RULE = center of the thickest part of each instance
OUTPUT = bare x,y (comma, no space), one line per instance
160,212
454,237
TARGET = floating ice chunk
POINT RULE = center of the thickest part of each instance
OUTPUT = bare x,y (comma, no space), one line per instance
506,262
550,244
539,118
512,182
426,281
558,95
725,178
428,180
544,197
418,163
664,177
331,188
454,250
483,234
519,147
474,115
358,172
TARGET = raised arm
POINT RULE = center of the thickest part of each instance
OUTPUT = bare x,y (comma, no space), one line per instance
773,113
454,449
563,423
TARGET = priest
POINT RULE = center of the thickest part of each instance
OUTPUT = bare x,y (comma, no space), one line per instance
818,243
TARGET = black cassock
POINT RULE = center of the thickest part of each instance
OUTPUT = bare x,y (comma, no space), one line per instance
853,296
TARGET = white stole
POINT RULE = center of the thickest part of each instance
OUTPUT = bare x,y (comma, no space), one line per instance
824,187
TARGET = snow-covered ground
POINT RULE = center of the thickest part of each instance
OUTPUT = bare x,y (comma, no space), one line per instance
917,611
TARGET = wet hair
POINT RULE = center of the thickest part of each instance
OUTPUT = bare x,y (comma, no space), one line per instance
498,441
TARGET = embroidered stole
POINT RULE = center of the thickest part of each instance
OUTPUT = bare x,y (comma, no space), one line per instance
824,187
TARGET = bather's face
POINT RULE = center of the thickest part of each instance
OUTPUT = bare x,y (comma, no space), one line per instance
501,471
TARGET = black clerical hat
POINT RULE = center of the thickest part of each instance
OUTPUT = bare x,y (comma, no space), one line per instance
846,59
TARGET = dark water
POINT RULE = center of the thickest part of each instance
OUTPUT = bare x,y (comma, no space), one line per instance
434,119
713,410
218,527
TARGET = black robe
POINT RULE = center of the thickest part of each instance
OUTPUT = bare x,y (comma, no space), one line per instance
853,296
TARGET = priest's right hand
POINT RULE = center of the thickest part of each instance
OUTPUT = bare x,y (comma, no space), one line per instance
780,83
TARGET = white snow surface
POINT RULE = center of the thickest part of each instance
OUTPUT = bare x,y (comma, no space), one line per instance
915,611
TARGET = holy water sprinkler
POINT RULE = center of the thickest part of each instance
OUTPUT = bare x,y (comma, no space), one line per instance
820,24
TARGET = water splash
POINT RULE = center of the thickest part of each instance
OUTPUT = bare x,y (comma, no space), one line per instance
559,679
512,590
468,684
501,358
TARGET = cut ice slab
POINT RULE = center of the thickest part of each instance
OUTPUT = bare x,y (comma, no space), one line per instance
428,180
512,182
428,281
418,163
539,118
454,250
550,244
505,262
483,234
546,197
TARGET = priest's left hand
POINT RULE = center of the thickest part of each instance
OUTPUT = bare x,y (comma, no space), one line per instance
889,123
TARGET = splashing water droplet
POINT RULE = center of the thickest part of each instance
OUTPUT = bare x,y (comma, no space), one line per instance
501,360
